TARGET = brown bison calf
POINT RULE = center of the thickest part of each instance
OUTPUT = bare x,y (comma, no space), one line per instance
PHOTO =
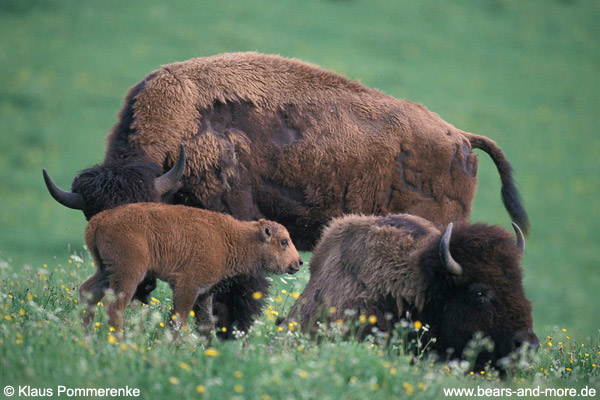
189,248
458,282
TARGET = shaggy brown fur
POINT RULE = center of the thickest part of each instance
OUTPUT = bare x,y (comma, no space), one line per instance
269,137
283,139
191,249
390,266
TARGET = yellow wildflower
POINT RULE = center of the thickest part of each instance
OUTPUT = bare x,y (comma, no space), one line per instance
418,325
211,352
410,389
238,374
257,295
173,380
238,389
372,319
200,389
184,366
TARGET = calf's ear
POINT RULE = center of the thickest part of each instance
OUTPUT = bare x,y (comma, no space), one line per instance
267,230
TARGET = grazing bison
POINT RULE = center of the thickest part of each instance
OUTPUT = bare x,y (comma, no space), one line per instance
463,281
191,249
276,138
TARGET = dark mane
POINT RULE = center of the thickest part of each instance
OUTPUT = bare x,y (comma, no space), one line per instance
481,250
109,186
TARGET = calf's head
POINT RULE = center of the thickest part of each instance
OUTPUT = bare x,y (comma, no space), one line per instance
103,187
279,255
476,286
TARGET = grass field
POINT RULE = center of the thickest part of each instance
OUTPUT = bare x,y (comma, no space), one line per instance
526,74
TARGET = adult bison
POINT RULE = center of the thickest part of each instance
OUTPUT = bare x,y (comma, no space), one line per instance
276,138
459,282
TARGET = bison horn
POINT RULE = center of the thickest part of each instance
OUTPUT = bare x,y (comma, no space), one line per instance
67,199
520,239
166,182
447,261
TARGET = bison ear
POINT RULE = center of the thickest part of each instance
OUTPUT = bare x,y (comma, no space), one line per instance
267,230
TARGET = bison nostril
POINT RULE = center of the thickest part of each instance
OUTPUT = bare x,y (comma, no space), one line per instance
526,337
301,262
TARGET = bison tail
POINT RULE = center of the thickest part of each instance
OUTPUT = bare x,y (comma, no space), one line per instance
510,194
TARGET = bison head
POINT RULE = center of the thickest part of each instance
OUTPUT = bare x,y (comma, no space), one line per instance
475,280
279,255
107,186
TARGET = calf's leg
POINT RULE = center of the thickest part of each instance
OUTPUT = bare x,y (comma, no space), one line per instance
90,293
184,295
123,283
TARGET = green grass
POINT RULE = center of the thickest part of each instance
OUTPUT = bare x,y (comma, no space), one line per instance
525,74
42,344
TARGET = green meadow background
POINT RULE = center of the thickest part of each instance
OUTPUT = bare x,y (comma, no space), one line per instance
524,73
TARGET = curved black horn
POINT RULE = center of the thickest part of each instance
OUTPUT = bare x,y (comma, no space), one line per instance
67,199
166,182
447,261
520,238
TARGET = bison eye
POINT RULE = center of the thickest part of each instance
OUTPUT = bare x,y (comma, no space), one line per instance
479,296
284,243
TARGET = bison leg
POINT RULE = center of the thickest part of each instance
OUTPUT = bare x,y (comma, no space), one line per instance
123,286
145,289
203,311
90,293
184,296
236,307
